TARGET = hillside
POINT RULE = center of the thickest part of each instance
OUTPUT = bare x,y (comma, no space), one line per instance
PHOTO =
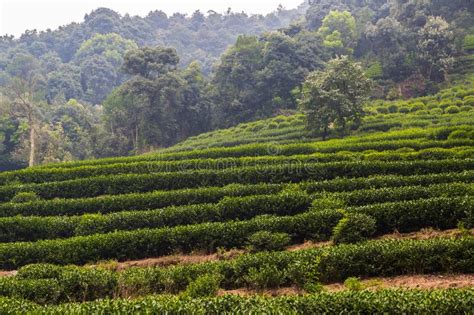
119,85
258,208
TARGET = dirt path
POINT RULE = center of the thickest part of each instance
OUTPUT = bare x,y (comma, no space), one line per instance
195,258
423,282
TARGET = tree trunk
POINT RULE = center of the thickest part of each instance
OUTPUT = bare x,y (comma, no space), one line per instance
136,138
325,133
32,146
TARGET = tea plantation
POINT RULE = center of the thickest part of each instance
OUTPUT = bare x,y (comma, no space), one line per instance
241,197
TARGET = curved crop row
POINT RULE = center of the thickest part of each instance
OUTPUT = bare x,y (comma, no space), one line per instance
386,302
120,184
161,199
42,175
317,225
300,268
265,149
17,229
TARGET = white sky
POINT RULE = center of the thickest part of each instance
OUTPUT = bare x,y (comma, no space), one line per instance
16,16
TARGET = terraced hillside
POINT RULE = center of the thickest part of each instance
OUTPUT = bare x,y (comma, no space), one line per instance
257,208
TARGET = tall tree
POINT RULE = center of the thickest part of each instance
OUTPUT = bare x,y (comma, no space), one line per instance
435,48
334,97
235,81
339,32
24,97
390,41
99,59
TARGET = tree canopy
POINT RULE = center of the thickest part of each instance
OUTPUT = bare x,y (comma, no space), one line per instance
334,97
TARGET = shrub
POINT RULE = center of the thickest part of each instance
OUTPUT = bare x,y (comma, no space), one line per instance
39,271
404,110
393,108
305,274
276,173
413,215
285,124
138,281
445,104
461,93
452,109
328,264
24,197
267,241
465,108
279,119
469,100
353,228
417,106
353,284
422,112
375,71
468,42
461,134
327,202
265,276
437,301
40,291
432,105
382,110
272,125
441,133
81,284
436,111
204,286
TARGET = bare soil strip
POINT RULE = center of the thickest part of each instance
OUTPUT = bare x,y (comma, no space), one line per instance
422,282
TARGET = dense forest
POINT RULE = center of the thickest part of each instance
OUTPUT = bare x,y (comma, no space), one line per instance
120,85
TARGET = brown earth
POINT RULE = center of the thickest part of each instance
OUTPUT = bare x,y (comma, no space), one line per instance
422,282
414,282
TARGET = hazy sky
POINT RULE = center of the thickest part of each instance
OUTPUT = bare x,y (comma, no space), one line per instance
16,16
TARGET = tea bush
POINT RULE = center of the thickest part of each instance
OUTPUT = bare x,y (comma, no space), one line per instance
353,228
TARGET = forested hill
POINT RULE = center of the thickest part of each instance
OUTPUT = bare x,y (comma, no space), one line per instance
120,85
80,50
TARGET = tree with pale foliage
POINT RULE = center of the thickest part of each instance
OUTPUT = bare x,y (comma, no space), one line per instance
339,32
334,97
435,48
23,100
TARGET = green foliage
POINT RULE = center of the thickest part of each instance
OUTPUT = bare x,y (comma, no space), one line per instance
353,228
327,202
39,271
452,110
41,291
404,110
375,71
130,183
404,216
353,284
263,277
25,197
469,100
203,286
384,301
468,42
334,96
222,191
461,134
272,269
435,45
338,31
393,108
267,241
